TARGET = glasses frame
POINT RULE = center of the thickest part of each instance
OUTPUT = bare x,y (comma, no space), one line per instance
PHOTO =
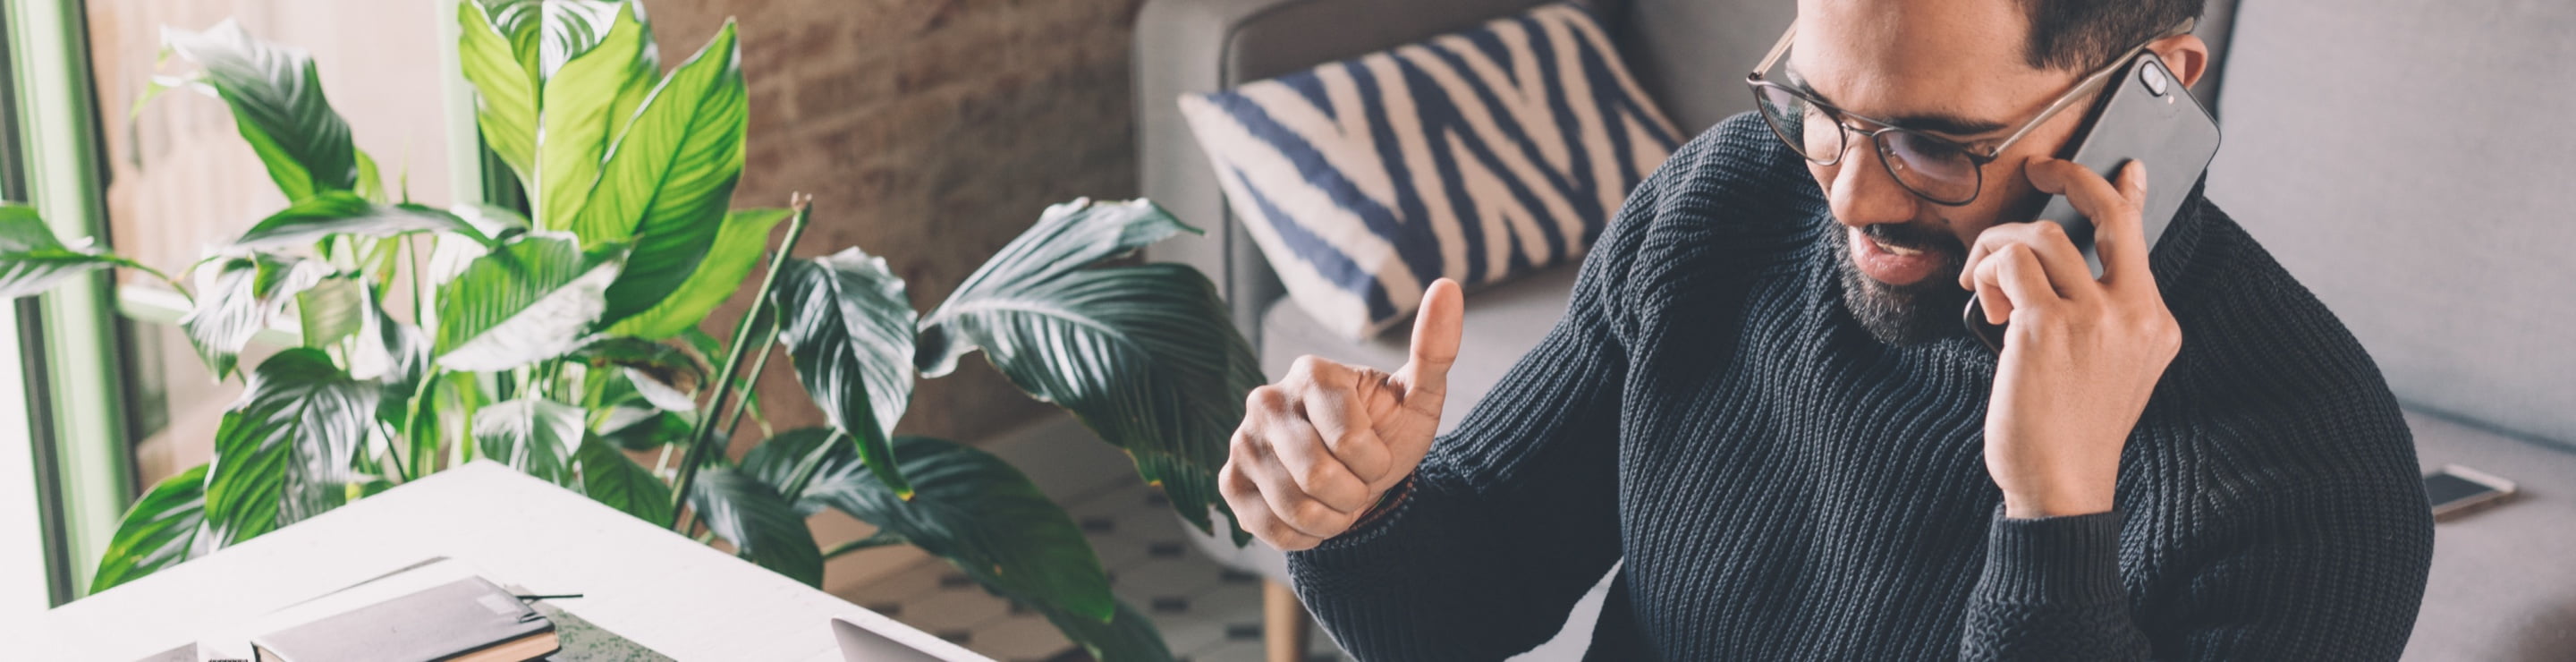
1756,82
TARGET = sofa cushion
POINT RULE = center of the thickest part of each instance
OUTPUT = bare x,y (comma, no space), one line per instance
1477,156
2503,585
2403,161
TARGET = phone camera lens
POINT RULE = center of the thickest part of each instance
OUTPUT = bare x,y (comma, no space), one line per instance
2154,77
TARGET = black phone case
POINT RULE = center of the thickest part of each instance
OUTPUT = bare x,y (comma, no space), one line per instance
2162,125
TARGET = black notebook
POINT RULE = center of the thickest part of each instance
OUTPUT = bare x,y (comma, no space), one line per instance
468,620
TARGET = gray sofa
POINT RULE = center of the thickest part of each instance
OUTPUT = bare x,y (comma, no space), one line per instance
2403,159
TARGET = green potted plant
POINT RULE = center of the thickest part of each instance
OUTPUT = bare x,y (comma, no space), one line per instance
562,337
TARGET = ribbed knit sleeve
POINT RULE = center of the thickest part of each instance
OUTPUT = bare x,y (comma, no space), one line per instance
2051,591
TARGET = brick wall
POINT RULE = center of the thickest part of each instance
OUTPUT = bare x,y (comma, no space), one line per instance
930,132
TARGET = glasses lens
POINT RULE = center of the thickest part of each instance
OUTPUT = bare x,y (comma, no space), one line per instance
1933,168
1803,125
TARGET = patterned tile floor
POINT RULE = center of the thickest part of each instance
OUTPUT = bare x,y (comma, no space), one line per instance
1206,612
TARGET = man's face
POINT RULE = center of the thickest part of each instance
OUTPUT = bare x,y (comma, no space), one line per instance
1952,68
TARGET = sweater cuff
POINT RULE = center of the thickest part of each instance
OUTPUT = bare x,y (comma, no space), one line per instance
2073,559
1367,548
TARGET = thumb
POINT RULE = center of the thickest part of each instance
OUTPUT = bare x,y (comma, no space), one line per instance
1436,329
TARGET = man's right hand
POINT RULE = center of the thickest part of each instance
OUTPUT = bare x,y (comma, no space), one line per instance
1318,449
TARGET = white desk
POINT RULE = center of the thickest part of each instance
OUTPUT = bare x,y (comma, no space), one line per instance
643,582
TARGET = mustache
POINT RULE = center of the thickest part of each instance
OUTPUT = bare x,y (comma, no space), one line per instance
1915,236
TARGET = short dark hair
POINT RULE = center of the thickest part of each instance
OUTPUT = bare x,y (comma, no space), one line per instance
2082,35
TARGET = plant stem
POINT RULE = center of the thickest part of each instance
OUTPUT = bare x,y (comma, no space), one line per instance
881,539
703,430
393,447
411,423
768,338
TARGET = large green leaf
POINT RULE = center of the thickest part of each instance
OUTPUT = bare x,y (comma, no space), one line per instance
579,109
530,300
371,184
664,375
762,525
1143,355
405,357
236,297
609,477
505,100
1127,637
636,428
533,435
284,452
972,508
667,181
157,531
331,310
738,245
277,102
343,212
32,260
848,325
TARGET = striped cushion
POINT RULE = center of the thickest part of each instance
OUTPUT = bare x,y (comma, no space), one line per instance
1478,156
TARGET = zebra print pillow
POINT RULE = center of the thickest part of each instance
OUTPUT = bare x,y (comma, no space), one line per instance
1478,156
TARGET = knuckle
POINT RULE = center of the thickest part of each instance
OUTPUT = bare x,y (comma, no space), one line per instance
1315,475
1316,518
1243,446
1270,398
1277,530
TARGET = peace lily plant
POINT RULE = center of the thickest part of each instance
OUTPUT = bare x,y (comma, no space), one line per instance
562,337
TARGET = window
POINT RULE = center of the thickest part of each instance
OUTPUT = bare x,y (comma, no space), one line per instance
181,179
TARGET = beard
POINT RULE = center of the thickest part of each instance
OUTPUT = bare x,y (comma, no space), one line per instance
1910,314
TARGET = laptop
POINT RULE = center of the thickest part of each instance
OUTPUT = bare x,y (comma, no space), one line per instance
884,640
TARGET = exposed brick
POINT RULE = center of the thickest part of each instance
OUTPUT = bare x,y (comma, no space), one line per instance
930,132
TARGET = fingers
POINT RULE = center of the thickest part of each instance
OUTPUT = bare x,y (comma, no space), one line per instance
1252,512
1336,400
1280,476
2118,234
2062,263
2011,279
1436,331
2122,243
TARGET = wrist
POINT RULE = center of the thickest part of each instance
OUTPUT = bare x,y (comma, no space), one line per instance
2035,505
1386,503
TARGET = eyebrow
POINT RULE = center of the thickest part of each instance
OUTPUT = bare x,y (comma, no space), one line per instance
1943,123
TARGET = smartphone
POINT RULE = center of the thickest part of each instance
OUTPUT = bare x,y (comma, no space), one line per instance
2145,115
2457,490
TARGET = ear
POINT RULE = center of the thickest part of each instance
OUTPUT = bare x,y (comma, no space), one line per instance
2185,55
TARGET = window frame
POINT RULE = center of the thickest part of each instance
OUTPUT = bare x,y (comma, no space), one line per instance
64,349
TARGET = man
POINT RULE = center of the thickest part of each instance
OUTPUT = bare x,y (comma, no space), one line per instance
1759,398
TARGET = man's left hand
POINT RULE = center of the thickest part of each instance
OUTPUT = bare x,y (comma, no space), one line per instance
2081,355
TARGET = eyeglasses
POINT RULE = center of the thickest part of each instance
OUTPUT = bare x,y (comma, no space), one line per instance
1931,167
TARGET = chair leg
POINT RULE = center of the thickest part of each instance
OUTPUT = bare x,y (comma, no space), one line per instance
1283,623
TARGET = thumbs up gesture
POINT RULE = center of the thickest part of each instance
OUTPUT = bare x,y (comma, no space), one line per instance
1318,449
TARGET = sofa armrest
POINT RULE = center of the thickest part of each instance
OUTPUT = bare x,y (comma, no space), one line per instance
1185,46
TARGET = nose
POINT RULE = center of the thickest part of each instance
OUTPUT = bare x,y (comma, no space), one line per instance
1862,192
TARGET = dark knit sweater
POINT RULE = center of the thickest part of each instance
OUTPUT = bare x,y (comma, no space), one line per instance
1781,486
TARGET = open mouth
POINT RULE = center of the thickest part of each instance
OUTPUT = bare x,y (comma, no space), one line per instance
1892,257
1900,251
